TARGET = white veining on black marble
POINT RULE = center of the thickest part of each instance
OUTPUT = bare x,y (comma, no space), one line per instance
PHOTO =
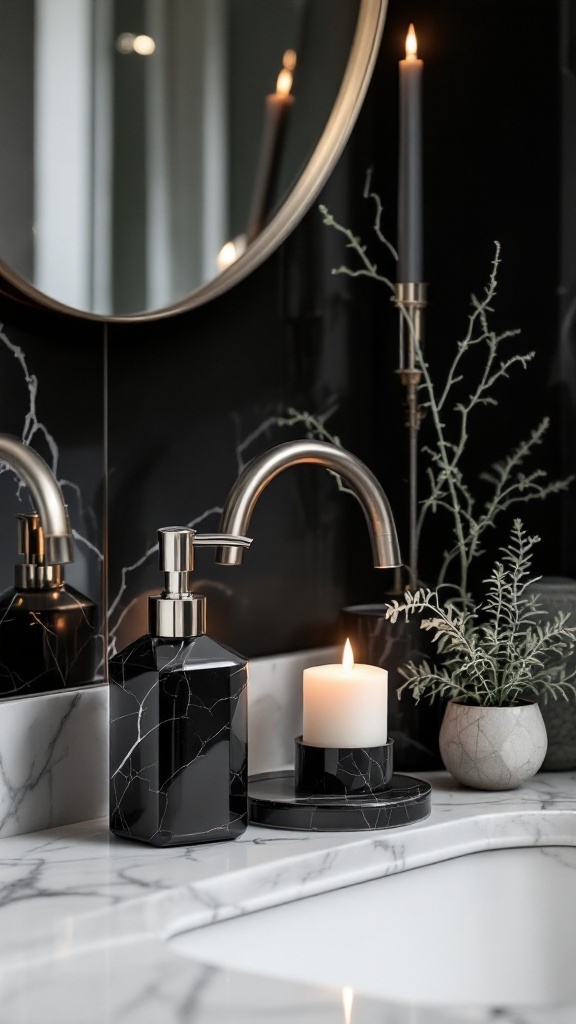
177,741
124,599
48,648
32,426
36,433
50,747
121,602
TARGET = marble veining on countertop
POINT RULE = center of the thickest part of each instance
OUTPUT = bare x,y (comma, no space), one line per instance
84,916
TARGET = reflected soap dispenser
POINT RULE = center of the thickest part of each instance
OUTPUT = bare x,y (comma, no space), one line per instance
178,723
49,635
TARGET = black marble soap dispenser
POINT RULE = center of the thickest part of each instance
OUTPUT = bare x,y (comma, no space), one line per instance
178,729
49,635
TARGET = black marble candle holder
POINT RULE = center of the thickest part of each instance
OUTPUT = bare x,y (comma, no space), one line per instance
354,771
338,790
274,803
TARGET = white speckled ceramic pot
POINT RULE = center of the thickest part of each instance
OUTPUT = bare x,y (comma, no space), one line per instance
492,748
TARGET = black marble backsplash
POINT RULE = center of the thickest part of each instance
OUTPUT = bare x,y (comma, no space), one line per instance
191,398
52,397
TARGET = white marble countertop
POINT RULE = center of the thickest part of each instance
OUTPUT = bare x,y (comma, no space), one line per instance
84,916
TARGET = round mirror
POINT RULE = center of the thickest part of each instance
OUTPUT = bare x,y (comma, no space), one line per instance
154,152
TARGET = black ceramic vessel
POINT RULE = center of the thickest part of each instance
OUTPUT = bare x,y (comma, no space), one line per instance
48,641
336,770
178,742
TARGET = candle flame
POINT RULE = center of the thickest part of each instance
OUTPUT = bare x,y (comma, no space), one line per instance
289,59
348,657
347,1000
230,252
411,44
144,45
284,83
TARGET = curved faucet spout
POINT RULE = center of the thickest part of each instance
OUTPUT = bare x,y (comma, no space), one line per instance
46,495
361,481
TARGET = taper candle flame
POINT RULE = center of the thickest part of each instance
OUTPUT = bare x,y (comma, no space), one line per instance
277,106
411,44
347,1000
348,657
284,82
230,252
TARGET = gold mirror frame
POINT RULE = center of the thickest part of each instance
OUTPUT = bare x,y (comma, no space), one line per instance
363,54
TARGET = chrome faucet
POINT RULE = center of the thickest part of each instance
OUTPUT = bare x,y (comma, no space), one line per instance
361,481
46,496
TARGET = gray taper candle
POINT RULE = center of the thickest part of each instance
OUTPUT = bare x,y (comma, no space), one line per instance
410,166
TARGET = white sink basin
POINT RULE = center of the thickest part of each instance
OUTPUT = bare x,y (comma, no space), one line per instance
491,929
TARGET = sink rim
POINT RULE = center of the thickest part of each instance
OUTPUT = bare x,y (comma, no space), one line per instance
434,1005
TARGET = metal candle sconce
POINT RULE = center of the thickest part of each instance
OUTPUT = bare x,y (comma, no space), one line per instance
410,292
411,301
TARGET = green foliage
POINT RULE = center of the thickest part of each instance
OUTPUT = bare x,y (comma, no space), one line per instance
499,652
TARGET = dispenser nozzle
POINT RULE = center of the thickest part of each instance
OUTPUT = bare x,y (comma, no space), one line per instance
177,612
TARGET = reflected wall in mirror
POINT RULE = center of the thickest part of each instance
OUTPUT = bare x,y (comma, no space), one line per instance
140,137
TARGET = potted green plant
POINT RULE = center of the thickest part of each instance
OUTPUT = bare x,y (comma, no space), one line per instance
495,657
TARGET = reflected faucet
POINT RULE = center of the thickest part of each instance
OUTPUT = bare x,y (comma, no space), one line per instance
361,481
46,496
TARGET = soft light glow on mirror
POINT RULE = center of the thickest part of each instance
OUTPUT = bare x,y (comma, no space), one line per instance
348,657
411,44
125,42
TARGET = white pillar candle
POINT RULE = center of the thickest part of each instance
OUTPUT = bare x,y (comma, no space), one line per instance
345,705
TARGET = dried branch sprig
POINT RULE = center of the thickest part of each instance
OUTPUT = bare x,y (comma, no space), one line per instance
450,415
500,652
355,243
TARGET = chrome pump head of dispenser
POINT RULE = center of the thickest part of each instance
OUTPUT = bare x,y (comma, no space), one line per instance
34,573
179,613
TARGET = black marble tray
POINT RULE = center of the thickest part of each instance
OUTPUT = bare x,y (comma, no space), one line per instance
274,803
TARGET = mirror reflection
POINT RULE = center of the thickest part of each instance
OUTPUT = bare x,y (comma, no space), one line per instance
145,143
